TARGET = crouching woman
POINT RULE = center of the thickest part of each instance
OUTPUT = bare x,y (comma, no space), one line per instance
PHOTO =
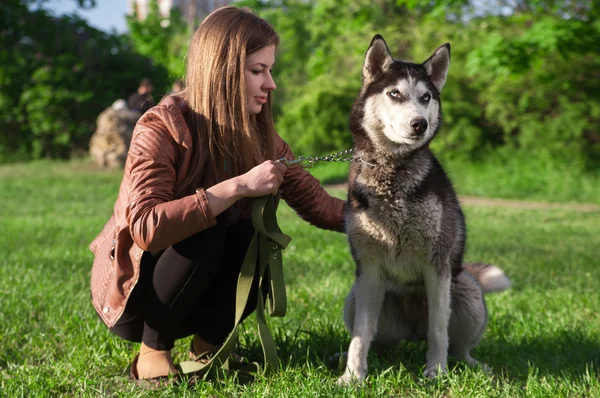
167,261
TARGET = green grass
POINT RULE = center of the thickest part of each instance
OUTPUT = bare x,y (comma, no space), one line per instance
543,338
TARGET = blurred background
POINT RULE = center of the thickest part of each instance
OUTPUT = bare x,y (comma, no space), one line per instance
521,104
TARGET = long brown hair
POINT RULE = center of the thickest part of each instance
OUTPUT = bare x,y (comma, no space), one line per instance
228,141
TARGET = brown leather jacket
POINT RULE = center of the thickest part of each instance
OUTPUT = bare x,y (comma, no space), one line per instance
147,216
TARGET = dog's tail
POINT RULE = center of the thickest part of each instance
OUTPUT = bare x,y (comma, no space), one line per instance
490,277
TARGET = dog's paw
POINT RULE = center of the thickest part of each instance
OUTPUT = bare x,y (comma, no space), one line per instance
484,367
350,378
432,372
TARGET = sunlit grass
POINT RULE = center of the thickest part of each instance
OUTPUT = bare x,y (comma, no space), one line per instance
543,337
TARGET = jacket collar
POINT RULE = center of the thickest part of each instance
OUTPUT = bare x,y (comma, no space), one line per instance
174,111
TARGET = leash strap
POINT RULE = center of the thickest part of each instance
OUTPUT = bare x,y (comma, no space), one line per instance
265,250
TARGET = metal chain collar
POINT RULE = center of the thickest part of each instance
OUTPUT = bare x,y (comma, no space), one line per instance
309,161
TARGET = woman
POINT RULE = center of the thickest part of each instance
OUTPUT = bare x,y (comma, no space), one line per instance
166,263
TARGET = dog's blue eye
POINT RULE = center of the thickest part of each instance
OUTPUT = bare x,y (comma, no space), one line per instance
426,98
394,94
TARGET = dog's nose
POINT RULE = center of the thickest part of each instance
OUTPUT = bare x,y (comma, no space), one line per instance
419,125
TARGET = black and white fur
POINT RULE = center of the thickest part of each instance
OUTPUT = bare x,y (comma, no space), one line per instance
405,226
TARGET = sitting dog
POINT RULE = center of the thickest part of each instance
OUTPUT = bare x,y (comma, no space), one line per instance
404,224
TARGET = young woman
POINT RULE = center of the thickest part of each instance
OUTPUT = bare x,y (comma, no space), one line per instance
167,261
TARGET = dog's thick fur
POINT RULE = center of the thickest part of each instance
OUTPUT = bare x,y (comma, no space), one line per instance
405,226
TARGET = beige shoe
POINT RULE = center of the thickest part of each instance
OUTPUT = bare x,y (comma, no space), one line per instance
151,383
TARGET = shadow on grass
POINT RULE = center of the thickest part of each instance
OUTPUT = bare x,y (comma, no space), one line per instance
569,352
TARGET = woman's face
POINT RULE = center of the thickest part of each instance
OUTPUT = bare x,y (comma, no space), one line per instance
259,82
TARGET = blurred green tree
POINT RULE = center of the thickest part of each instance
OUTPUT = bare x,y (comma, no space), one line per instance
527,78
524,74
56,75
161,38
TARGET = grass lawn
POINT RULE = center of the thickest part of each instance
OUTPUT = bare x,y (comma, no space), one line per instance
543,337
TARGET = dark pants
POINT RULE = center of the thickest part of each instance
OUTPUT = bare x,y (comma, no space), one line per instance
189,288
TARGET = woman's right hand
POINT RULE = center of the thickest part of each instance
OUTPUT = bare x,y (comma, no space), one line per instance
263,179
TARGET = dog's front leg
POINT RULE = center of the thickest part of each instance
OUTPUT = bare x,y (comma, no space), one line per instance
370,292
437,285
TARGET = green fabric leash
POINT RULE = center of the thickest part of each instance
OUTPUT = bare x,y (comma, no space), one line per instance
265,250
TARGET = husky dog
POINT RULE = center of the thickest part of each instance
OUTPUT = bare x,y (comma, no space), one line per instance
405,226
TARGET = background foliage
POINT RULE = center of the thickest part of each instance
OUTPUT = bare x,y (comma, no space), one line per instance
524,74
163,39
56,75
524,80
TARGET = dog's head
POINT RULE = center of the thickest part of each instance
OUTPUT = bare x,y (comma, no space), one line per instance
398,109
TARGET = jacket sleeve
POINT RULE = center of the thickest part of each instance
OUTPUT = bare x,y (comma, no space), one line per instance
306,196
155,217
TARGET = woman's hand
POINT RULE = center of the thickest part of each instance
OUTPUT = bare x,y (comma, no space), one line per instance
262,180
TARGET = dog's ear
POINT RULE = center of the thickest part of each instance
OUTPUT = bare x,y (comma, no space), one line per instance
377,60
437,66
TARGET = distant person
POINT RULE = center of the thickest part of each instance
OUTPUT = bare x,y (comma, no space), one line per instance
177,87
142,99
167,262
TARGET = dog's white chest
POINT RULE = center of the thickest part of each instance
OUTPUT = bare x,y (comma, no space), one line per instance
397,236
404,269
